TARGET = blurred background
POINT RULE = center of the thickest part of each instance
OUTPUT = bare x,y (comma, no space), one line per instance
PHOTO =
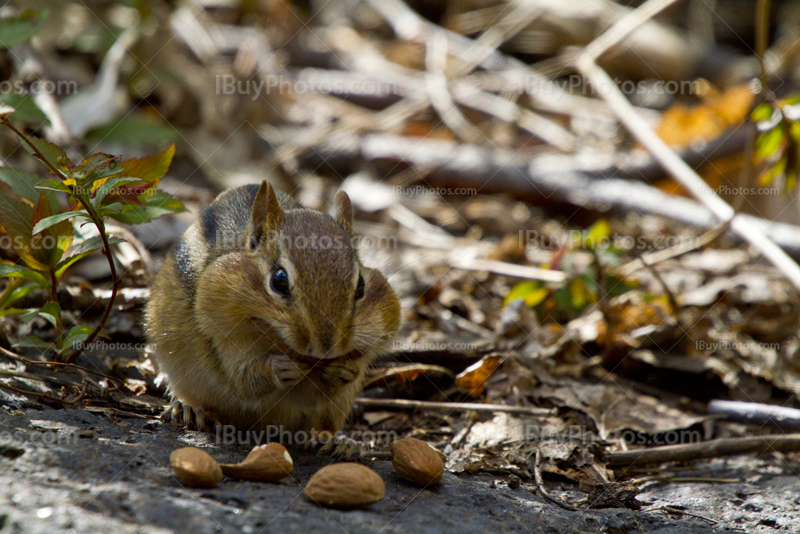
496,188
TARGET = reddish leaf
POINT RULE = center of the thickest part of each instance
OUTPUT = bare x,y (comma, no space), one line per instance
149,168
473,379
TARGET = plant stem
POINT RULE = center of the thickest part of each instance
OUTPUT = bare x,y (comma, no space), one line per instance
100,228
54,298
114,284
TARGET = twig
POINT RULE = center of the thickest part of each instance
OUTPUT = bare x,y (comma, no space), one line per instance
509,269
60,365
754,413
624,27
673,302
519,17
439,95
676,166
673,252
447,406
46,396
708,449
537,473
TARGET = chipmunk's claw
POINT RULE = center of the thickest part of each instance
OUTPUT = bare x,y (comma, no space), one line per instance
338,447
192,418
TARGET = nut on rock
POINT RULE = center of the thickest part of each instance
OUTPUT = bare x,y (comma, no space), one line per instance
417,462
195,467
265,463
345,485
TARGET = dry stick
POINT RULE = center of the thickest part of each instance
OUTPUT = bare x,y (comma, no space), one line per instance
510,269
708,449
439,95
537,474
513,22
101,230
678,168
448,406
754,413
65,366
672,252
410,26
624,27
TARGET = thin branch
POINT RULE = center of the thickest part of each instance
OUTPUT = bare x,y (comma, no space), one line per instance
708,449
447,406
537,473
624,27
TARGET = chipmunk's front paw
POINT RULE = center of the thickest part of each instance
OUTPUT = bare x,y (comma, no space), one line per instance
340,372
192,418
338,447
287,372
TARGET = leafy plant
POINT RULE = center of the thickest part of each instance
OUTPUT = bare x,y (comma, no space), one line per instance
43,234
583,286
778,142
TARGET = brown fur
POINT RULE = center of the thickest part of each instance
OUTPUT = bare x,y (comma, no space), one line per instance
231,345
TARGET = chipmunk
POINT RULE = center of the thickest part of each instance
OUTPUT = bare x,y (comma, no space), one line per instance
264,315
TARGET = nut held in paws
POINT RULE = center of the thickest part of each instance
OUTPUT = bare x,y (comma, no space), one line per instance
417,462
345,485
195,467
265,463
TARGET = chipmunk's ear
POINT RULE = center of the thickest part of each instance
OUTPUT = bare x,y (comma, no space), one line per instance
344,211
266,216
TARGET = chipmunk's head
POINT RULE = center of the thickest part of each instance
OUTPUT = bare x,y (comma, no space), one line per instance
317,301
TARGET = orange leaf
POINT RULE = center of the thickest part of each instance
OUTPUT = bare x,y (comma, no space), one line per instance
473,379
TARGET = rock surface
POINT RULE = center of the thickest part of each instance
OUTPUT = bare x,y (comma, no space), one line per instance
79,471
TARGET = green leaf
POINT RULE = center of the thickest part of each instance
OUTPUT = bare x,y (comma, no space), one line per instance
10,311
109,209
533,291
47,222
33,342
52,153
18,294
96,167
84,249
8,270
108,185
53,185
155,205
48,243
21,182
769,142
16,30
597,235
25,108
762,113
76,335
50,312
149,168
136,130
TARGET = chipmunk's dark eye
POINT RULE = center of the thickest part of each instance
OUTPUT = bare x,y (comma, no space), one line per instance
280,282
360,288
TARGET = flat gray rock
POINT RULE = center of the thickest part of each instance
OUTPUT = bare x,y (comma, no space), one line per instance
73,470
